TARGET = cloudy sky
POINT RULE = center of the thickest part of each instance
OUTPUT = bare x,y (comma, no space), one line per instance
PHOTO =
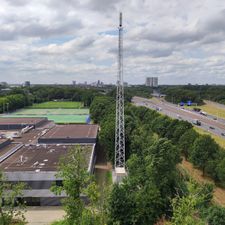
57,41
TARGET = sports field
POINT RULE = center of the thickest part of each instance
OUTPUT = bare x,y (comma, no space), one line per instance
46,112
57,104
58,115
57,118
58,111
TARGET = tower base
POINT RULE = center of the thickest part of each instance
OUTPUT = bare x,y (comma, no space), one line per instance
118,174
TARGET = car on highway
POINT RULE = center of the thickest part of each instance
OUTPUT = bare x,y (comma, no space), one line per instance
223,134
196,122
212,128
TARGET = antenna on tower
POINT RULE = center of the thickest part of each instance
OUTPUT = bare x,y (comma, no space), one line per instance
120,171
120,19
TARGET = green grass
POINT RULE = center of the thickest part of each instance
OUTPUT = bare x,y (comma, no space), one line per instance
60,222
210,109
57,104
219,140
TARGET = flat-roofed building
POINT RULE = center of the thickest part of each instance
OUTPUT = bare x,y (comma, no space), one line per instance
37,165
76,133
14,123
33,156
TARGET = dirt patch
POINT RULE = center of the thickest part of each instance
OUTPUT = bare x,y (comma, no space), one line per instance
43,215
219,193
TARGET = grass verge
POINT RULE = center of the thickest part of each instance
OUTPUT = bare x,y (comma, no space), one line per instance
219,193
219,140
211,109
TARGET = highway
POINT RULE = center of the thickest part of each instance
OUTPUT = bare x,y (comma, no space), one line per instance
208,123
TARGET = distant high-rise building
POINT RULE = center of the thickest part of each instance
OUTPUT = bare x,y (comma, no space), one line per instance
151,81
27,83
74,83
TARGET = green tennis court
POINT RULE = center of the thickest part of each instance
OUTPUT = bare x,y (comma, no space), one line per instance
46,112
58,118
57,115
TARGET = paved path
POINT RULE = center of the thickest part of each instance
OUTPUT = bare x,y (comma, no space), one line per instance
40,215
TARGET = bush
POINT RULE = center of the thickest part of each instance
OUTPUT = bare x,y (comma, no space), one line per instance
216,215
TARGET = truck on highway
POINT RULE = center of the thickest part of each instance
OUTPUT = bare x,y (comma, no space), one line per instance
196,122
203,113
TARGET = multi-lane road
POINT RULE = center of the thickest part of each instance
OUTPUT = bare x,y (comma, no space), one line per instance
208,123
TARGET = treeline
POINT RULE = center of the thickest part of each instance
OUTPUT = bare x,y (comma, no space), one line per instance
20,97
48,93
194,93
129,92
154,146
180,94
13,102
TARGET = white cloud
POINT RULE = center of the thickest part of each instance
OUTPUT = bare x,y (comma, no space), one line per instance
48,41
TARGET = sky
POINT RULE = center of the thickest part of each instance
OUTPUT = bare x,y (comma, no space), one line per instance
58,41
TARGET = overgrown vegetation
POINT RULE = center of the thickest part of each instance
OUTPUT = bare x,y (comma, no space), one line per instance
11,209
77,182
154,146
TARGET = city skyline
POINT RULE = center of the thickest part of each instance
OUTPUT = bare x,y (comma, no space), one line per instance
179,42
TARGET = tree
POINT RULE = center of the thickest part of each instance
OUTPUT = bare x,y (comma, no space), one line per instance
221,170
107,136
76,181
10,206
160,124
145,194
163,157
204,150
181,128
184,210
100,107
186,142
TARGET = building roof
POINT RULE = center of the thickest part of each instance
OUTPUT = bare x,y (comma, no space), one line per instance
39,158
3,140
7,148
72,131
21,120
